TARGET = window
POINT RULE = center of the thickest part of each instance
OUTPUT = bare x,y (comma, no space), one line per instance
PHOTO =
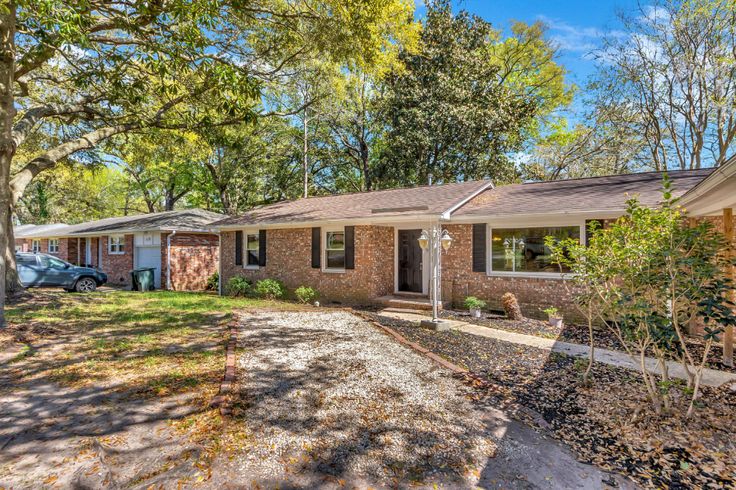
117,244
36,246
53,245
52,262
252,245
335,250
523,249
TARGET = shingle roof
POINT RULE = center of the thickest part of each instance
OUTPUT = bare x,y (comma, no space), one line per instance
181,220
608,193
392,203
34,231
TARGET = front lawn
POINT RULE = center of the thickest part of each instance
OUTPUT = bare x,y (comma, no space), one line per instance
108,371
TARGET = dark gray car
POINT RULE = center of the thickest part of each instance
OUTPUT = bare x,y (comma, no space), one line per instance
41,270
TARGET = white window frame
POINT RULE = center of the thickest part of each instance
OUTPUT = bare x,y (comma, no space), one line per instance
325,232
537,275
116,244
247,233
55,242
36,246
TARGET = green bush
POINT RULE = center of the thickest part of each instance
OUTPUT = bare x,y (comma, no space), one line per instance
473,303
213,282
239,286
270,289
305,294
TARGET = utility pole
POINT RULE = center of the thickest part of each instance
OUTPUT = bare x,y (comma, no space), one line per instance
306,161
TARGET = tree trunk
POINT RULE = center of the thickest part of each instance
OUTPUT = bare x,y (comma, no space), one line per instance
7,145
12,281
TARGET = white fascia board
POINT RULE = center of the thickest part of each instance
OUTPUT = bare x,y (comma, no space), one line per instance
719,175
446,215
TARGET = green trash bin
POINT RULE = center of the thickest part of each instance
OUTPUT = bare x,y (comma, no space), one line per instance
143,279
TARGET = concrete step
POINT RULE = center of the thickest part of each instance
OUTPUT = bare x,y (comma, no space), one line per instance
406,302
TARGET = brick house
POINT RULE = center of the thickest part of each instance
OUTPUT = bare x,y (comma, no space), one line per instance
178,245
363,248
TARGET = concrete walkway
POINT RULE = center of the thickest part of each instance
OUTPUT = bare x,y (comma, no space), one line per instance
711,377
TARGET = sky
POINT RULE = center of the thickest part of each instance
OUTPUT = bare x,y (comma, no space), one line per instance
576,26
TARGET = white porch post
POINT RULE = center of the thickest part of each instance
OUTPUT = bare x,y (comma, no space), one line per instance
434,242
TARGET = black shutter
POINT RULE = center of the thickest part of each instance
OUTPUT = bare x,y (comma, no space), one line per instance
238,247
350,247
262,248
479,247
316,247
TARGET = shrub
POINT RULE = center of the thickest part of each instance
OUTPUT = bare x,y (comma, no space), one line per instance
473,303
213,282
305,294
511,307
239,286
270,289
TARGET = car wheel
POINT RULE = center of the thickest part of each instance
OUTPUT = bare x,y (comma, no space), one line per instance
85,285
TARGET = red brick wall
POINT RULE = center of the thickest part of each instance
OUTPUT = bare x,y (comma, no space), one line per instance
63,252
459,281
289,259
24,243
116,266
194,258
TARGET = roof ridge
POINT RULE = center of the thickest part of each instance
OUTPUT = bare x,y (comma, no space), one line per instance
382,190
630,174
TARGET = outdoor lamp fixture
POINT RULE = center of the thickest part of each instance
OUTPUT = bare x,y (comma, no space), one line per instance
435,241
446,240
423,240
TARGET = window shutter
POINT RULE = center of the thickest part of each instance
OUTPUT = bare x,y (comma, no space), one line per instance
238,247
316,247
262,248
479,247
350,247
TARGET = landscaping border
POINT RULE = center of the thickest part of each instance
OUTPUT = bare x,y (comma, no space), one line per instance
223,400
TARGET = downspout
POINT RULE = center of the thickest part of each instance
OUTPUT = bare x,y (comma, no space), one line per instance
168,259
219,263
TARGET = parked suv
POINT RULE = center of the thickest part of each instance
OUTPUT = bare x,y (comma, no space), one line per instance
41,270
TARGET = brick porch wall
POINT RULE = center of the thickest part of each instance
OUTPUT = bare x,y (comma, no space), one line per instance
289,259
459,281
194,258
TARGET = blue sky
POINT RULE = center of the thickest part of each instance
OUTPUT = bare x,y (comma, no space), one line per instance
575,25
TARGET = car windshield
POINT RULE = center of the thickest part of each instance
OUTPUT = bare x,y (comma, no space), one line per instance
52,262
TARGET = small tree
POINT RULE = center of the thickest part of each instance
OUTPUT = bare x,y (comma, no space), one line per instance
648,275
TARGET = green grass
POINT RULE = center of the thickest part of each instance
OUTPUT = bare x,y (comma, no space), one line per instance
148,344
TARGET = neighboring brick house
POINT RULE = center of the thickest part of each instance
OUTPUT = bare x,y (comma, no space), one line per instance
363,247
178,245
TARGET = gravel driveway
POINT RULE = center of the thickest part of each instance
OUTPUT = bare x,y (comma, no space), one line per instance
326,399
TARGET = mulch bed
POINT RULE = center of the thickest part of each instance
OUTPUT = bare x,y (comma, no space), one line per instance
608,424
577,334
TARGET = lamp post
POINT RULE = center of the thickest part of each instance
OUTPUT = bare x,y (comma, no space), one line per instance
435,240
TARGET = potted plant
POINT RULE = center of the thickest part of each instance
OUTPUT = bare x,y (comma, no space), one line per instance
474,305
555,318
